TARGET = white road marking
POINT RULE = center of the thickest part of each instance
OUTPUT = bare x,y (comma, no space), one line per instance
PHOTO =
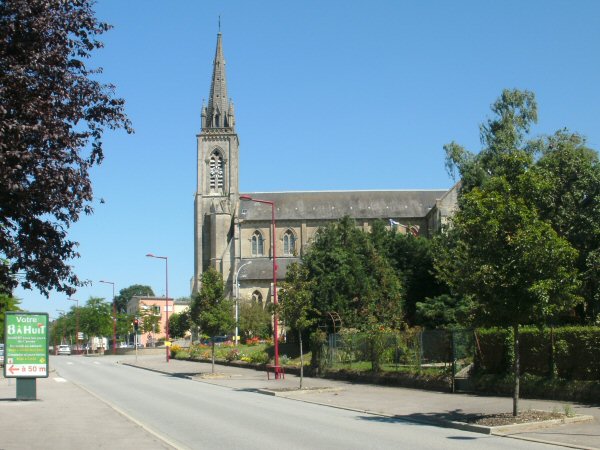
60,380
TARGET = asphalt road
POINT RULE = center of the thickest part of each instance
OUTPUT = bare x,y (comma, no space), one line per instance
191,414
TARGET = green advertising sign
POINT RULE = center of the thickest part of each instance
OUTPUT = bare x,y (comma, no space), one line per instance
26,345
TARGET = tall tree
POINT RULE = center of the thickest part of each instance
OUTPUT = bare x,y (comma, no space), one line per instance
129,292
296,305
210,310
53,114
95,318
352,278
412,259
570,200
255,320
499,252
179,324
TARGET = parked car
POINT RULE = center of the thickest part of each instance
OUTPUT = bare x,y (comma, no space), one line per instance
1,354
123,345
64,350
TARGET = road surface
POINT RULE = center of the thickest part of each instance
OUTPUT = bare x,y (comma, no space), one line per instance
195,415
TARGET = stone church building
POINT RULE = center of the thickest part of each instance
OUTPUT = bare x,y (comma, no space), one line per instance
230,232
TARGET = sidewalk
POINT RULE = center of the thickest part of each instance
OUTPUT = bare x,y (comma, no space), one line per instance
65,417
411,404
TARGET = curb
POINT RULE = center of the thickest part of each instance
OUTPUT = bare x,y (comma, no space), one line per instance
285,394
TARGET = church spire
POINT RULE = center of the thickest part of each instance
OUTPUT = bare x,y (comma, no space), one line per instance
219,113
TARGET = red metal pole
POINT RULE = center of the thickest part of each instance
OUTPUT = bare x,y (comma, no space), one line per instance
274,239
114,323
275,318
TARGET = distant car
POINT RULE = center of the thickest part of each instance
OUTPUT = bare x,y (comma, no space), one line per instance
1,354
64,350
123,345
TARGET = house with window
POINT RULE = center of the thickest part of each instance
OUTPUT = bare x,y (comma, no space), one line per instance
151,313
233,228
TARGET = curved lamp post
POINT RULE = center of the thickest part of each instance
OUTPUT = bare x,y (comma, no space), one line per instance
273,240
150,255
114,346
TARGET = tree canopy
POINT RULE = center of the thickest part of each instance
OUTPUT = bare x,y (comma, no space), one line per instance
210,310
129,292
352,278
53,114
507,248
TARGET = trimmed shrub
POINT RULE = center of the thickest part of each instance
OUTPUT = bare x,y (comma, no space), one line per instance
571,353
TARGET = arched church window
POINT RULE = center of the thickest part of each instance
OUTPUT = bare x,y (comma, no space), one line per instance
257,297
289,243
216,168
257,244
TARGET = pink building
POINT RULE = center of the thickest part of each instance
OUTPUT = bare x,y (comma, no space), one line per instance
150,311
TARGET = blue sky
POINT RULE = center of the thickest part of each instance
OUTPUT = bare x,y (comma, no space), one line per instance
335,95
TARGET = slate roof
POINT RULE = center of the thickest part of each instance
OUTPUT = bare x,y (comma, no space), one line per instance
262,268
336,204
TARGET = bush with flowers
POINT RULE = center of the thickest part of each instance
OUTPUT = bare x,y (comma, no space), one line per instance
174,350
233,355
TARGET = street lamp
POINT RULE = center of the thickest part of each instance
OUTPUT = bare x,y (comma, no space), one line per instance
76,321
273,239
150,255
114,317
237,298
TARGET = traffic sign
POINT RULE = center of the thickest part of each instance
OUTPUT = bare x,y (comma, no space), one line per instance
26,345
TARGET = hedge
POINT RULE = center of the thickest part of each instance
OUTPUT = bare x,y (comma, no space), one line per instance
571,353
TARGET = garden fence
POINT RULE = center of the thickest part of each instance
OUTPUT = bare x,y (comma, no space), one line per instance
429,351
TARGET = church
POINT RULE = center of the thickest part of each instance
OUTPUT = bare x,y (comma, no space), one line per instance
238,233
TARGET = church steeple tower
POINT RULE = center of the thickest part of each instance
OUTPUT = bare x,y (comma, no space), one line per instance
219,113
217,189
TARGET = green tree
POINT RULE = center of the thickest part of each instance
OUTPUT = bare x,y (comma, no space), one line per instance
412,259
210,310
179,324
124,325
7,303
296,305
150,321
499,252
352,278
129,292
95,318
255,320
513,265
569,199
506,151
444,311
53,116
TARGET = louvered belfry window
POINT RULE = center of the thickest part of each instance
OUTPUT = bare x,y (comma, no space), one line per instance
216,171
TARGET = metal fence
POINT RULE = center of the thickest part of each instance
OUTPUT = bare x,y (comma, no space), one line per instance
434,351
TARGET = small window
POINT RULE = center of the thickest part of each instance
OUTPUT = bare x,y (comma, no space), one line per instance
257,244
257,297
289,243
